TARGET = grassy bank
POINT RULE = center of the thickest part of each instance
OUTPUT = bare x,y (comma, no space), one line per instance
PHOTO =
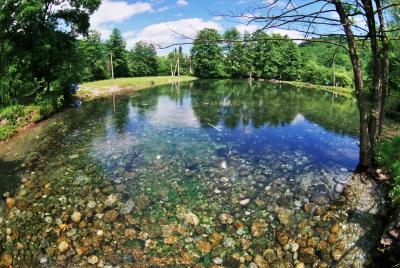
339,90
105,88
18,116
387,155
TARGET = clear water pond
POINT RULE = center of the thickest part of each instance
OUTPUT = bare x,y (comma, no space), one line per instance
223,173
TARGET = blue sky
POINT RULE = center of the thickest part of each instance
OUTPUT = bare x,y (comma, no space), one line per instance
160,21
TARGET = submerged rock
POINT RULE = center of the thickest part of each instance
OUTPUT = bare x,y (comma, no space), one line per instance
10,202
203,246
282,238
6,260
225,218
191,219
285,216
257,228
244,202
319,199
307,255
111,216
93,259
76,217
63,246
127,208
74,156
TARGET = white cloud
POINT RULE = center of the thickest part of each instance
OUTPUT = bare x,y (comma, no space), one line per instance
162,9
218,18
182,3
171,32
129,34
115,12
292,34
242,28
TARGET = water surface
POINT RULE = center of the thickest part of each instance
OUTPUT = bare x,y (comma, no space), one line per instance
206,172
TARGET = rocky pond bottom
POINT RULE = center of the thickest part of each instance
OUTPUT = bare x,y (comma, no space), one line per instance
208,174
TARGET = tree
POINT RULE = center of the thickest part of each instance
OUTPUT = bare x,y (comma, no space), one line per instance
309,17
163,66
207,55
233,49
38,44
117,47
143,60
93,58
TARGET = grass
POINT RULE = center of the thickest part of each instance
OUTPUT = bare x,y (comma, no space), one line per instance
104,88
339,90
14,117
387,155
17,116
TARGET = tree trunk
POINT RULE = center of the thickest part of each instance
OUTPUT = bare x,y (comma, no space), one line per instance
365,145
375,116
384,62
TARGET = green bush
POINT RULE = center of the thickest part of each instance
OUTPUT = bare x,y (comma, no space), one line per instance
12,118
46,106
387,155
17,116
393,103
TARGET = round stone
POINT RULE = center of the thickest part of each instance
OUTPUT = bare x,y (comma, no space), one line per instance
244,202
339,188
63,246
93,259
76,217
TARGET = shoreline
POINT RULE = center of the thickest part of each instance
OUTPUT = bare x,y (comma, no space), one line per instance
120,86
95,90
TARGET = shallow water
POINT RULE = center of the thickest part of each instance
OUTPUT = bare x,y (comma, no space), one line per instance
211,172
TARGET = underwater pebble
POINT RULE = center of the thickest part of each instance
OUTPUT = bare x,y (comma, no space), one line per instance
76,216
339,188
93,259
63,246
244,202
223,165
218,261
91,204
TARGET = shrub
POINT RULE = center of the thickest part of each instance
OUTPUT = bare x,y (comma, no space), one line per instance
387,155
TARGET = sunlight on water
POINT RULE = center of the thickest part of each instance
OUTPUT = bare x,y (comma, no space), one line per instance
224,166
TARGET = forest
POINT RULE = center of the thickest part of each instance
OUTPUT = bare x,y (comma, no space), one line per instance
230,55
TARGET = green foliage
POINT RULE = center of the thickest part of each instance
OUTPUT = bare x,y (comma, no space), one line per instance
143,60
325,63
47,105
17,116
163,66
393,102
93,58
234,54
11,118
117,47
263,56
178,59
387,155
38,45
207,55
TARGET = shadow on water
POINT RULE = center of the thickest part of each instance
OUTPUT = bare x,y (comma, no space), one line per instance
10,176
